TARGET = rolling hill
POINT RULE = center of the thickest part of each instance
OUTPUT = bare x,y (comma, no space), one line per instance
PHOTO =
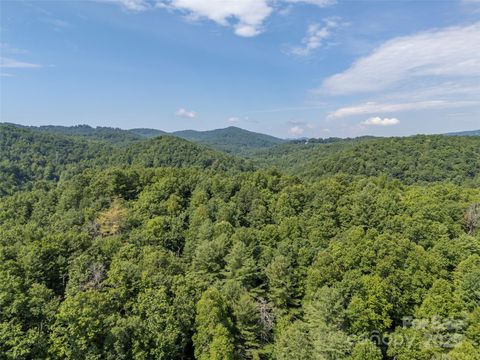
29,155
231,139
132,249
422,158
114,135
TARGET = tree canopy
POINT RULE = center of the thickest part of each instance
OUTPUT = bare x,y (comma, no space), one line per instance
164,249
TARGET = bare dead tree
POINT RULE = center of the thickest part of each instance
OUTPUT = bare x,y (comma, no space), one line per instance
472,218
266,318
96,276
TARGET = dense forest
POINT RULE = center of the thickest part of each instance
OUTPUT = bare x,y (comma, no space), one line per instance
231,140
410,159
159,248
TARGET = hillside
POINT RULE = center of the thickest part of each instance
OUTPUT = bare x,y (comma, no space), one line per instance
28,156
146,263
114,135
144,250
171,151
231,139
410,159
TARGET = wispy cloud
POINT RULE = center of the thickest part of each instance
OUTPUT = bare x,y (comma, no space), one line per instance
374,108
378,121
186,113
8,63
131,5
321,3
296,122
315,37
58,23
286,109
8,49
446,53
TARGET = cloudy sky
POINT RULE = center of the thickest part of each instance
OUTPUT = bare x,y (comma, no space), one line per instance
290,68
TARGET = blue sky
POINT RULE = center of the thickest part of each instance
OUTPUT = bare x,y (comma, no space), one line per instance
289,68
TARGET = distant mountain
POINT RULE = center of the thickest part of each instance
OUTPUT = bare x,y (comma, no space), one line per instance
110,134
231,139
148,133
465,133
28,155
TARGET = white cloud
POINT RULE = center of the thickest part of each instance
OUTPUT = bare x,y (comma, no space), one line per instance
450,53
373,107
296,131
378,121
8,63
186,113
233,120
464,89
316,35
131,5
246,16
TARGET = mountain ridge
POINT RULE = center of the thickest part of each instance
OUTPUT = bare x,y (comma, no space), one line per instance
464,133
230,139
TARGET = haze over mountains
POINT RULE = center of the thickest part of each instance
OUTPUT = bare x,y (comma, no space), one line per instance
465,133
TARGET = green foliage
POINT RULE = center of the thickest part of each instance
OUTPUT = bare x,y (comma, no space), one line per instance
163,249
410,159
366,350
293,343
213,338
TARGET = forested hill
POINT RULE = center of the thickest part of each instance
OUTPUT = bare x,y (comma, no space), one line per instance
28,156
423,158
172,151
165,249
166,263
110,134
231,139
